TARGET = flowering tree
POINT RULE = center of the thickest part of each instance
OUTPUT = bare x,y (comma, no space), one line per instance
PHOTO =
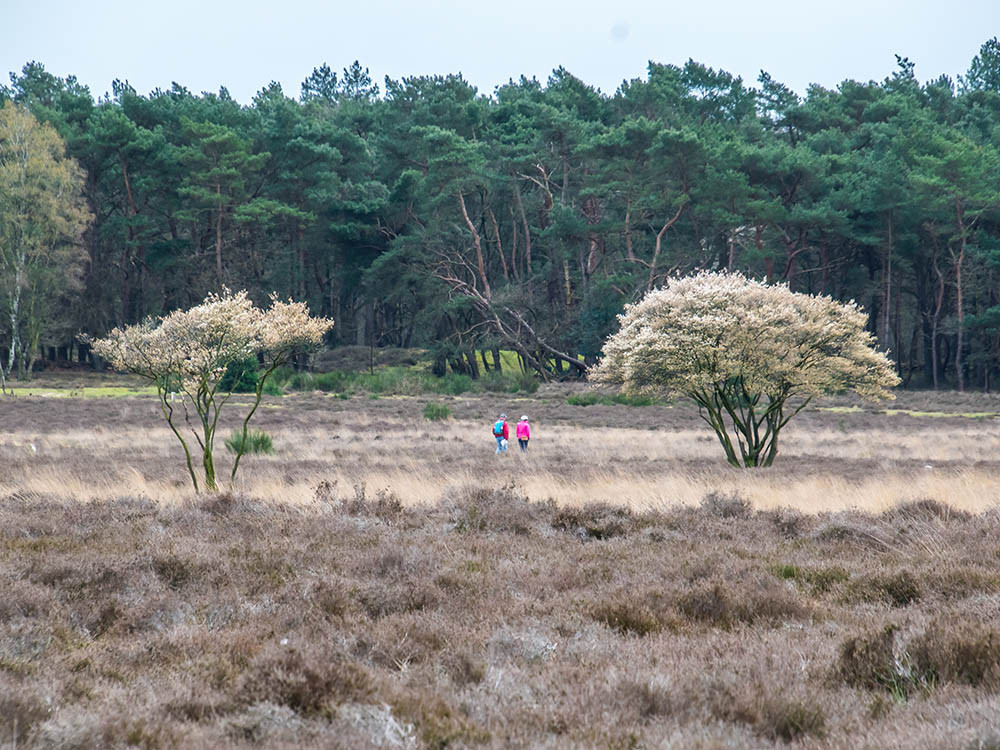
188,351
750,355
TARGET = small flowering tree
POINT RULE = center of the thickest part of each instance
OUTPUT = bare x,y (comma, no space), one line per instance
750,355
188,352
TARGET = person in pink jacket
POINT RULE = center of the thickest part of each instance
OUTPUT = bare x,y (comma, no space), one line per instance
523,434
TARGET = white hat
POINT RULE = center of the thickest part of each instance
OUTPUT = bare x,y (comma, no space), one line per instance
503,416
524,418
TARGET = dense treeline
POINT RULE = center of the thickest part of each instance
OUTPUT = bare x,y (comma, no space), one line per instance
426,214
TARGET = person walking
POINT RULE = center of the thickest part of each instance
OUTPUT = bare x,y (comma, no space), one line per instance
501,432
523,432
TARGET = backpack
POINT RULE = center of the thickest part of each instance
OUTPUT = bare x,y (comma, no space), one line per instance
498,428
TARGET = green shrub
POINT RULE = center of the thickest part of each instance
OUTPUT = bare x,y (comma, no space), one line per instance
435,412
590,398
282,375
453,384
241,376
330,382
627,400
526,382
271,388
257,441
586,399
495,383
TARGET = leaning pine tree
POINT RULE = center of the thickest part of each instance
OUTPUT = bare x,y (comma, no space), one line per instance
749,354
189,351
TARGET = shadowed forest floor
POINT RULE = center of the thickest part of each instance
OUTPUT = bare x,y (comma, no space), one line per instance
386,581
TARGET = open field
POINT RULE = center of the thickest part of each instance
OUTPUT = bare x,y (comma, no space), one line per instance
386,581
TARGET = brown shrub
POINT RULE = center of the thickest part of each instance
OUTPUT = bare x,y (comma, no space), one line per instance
820,580
855,534
331,597
628,617
962,581
925,509
775,717
595,521
717,604
960,652
463,668
897,589
501,510
307,682
722,505
440,724
788,522
175,571
871,662
385,505
399,641
21,710
649,699
788,720
381,599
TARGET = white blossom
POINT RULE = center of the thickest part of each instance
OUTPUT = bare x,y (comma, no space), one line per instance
733,343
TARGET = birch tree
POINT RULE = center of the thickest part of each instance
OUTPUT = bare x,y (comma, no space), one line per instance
42,217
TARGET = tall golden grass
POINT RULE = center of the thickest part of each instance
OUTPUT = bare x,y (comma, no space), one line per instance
828,461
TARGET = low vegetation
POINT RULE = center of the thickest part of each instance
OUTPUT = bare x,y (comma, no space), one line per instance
254,441
487,619
385,580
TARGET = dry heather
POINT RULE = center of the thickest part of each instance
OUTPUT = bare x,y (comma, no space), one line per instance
382,581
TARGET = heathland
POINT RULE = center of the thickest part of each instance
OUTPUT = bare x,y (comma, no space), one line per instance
384,580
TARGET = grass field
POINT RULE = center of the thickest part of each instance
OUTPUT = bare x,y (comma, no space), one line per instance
382,580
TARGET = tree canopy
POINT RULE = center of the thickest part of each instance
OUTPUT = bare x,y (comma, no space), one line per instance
421,212
189,352
750,354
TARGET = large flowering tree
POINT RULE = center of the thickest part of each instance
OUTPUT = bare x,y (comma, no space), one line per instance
188,352
751,355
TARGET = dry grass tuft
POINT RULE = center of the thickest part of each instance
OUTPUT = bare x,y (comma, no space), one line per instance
502,509
959,652
719,604
874,662
723,505
595,521
309,683
925,509
898,589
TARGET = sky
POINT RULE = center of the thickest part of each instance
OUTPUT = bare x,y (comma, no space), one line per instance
205,44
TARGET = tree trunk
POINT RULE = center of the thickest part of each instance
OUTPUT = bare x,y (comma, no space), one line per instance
659,240
959,312
480,263
496,231
218,235
629,253
527,231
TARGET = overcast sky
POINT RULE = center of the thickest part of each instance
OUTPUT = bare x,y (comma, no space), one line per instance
244,45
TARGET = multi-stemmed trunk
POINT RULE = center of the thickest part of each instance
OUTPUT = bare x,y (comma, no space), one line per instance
754,417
